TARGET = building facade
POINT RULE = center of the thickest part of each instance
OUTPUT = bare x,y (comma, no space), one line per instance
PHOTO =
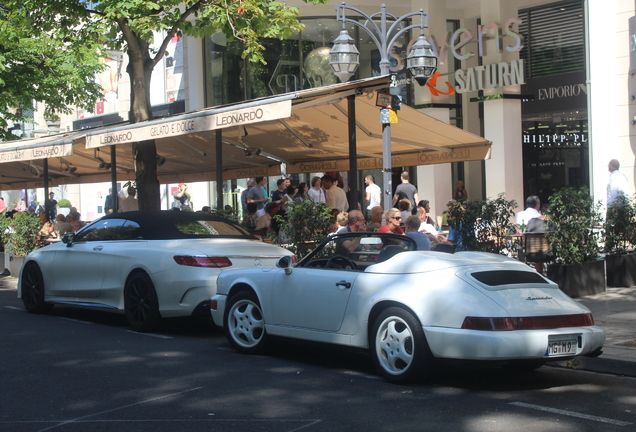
551,84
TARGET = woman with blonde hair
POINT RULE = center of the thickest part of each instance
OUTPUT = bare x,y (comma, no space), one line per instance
393,220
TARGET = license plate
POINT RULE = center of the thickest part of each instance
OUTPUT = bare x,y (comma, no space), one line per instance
561,345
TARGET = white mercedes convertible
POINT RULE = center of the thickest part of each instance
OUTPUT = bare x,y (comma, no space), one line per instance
146,264
408,308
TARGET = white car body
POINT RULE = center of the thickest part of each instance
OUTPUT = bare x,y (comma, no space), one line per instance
94,272
440,290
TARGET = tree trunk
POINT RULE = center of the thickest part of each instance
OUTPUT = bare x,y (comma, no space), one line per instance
145,153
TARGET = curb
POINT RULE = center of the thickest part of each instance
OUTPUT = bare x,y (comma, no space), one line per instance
8,283
600,365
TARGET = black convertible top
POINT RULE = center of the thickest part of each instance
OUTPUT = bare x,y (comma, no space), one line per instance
163,224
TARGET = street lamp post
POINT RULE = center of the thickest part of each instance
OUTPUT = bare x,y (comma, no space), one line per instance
421,61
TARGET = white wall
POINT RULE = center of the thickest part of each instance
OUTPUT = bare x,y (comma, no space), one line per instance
610,85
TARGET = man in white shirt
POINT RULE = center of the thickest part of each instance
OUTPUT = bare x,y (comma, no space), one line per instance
336,197
130,203
426,227
617,183
374,195
533,204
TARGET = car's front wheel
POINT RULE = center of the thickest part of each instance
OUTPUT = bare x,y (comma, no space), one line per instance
32,288
141,304
398,346
244,324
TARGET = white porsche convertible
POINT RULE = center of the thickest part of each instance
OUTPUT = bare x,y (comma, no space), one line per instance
146,264
408,308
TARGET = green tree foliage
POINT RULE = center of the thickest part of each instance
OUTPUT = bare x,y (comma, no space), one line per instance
574,218
129,25
42,67
482,225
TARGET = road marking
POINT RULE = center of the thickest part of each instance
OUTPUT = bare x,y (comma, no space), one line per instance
150,334
14,308
571,414
79,419
305,423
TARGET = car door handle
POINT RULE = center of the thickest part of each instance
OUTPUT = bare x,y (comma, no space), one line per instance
98,248
344,284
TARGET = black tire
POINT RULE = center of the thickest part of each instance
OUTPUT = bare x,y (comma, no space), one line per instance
141,304
32,290
398,347
244,324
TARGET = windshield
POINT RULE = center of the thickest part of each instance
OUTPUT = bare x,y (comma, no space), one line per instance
363,249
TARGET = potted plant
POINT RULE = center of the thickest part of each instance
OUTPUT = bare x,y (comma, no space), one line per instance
23,239
574,240
305,225
483,225
620,236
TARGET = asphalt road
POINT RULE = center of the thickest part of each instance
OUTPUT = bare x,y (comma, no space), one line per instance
78,370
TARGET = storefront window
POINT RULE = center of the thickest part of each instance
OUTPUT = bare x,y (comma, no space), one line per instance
554,116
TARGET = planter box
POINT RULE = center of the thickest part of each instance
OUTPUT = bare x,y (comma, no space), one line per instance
15,264
621,270
577,280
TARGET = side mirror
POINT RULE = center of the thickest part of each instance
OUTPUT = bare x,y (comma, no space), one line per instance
285,263
68,239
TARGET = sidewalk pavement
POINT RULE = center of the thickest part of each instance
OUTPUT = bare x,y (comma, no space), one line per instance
613,310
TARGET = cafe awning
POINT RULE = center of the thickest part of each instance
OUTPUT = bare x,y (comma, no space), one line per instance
307,130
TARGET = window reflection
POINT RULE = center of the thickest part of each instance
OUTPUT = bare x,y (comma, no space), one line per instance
297,63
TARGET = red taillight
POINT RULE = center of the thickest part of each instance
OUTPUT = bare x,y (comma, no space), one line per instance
202,261
527,323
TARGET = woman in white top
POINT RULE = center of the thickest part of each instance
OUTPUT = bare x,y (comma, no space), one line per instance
317,193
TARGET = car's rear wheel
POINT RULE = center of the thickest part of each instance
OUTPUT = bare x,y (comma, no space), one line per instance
398,346
32,289
141,304
244,324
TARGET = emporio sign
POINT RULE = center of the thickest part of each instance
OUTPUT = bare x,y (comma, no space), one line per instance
193,123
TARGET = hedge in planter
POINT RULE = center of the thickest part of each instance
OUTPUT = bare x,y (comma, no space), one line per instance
620,236
482,225
575,242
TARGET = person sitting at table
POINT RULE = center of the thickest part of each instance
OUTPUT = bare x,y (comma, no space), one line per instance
376,218
61,226
412,227
404,205
426,227
46,234
426,205
264,222
393,220
533,204
342,218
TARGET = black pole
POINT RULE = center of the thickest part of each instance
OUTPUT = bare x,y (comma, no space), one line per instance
47,201
113,177
219,169
353,157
